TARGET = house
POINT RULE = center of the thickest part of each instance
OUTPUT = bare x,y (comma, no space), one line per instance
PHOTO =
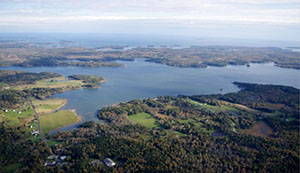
109,162
63,157
95,162
52,157
35,132
50,163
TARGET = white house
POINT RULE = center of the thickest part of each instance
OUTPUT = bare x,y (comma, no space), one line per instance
50,163
109,162
35,132
63,157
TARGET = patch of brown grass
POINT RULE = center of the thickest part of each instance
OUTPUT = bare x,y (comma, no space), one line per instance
259,129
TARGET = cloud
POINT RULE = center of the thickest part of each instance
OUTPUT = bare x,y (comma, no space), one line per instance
165,13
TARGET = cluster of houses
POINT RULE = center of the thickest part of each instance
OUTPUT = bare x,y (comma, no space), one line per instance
107,162
52,160
6,110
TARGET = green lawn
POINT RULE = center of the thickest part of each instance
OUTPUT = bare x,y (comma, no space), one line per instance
56,120
212,108
144,119
52,143
13,118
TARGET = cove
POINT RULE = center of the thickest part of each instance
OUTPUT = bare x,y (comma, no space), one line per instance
140,79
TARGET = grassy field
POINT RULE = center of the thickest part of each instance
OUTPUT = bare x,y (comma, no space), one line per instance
58,119
48,106
199,125
60,82
144,119
14,118
214,109
52,143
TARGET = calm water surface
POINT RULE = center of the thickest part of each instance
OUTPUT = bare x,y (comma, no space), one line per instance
140,79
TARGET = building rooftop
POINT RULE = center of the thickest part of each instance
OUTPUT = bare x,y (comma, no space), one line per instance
109,162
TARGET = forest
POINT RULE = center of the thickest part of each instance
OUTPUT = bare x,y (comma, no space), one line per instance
194,56
87,78
20,77
201,133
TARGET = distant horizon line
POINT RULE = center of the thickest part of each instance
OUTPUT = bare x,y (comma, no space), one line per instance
152,34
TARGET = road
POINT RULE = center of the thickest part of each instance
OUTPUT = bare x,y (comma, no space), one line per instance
39,123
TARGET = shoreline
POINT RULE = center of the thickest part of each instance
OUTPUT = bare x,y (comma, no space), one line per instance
276,64
65,101
57,129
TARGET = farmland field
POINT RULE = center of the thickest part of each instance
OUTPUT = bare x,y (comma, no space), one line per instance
49,105
58,119
15,117
60,82
144,119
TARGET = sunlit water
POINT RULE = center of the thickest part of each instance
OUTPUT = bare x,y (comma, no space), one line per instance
140,79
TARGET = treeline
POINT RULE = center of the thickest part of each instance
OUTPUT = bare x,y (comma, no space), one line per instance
62,62
87,78
269,98
13,98
19,77
198,152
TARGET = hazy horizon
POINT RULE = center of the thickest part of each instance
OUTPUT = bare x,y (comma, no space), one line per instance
236,19
119,39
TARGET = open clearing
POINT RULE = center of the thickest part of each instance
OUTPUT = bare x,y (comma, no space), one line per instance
16,117
259,129
60,82
57,120
198,125
49,105
144,119
214,109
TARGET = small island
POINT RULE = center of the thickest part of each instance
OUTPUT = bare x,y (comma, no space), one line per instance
88,80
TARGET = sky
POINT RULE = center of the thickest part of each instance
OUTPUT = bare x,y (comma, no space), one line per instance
249,19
